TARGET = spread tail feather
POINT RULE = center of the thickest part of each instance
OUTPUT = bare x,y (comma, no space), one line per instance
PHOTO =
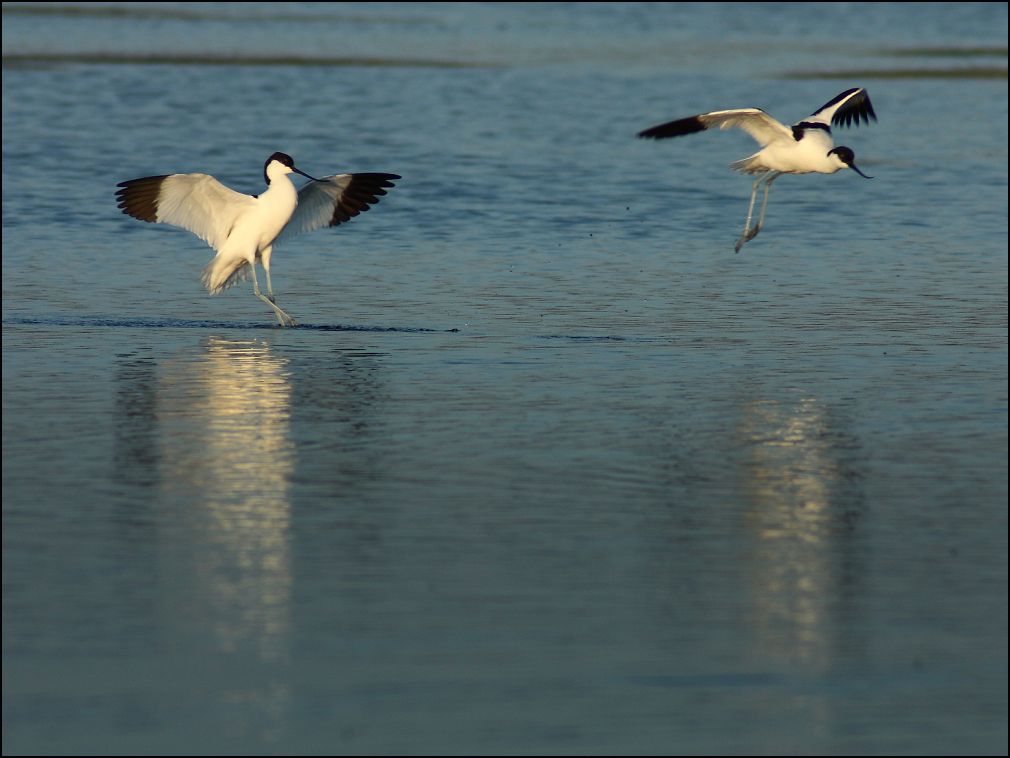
219,274
748,165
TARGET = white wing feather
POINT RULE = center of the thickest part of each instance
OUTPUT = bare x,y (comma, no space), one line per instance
335,199
199,203
758,124
316,201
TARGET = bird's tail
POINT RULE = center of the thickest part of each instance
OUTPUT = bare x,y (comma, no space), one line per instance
749,165
220,274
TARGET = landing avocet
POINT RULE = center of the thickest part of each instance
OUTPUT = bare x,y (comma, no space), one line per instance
804,148
242,229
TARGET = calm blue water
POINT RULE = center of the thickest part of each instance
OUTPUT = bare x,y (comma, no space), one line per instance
547,468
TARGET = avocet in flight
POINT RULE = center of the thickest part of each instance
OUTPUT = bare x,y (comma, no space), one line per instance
242,229
804,148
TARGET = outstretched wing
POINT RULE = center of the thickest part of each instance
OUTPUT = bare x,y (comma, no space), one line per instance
758,124
335,199
847,109
195,202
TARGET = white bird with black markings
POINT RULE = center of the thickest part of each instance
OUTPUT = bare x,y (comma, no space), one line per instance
242,229
804,148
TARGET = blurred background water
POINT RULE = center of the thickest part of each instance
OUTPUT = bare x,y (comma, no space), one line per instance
547,468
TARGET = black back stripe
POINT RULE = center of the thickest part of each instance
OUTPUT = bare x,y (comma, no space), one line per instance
800,129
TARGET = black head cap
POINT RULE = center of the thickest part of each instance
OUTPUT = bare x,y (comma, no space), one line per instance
846,156
282,158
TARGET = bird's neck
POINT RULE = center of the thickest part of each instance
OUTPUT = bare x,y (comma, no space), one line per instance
280,192
275,207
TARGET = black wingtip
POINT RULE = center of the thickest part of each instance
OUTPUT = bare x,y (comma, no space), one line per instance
856,109
677,128
139,197
363,191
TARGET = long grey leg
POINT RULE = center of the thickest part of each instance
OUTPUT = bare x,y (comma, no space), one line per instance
750,232
270,287
764,204
750,212
282,318
265,260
